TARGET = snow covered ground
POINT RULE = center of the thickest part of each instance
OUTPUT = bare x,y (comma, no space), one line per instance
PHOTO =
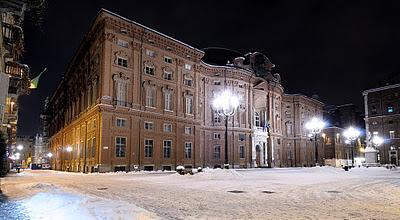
292,193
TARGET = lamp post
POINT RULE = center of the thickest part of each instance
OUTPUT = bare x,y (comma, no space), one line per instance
351,134
225,104
50,155
315,126
69,150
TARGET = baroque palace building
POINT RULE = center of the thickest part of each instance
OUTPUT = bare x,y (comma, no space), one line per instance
134,98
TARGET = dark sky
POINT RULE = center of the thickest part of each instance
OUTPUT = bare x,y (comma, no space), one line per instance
334,49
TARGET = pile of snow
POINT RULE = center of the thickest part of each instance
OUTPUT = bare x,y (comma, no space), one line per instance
218,173
42,186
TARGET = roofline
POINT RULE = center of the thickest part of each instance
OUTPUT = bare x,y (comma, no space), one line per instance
304,96
147,28
380,89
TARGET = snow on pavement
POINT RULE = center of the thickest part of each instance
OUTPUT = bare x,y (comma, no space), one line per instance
281,193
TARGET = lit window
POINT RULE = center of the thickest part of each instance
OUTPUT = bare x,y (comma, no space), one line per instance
188,150
217,152
150,53
189,105
167,127
149,70
188,66
167,149
375,133
241,152
122,43
168,59
217,136
148,148
167,75
122,62
148,125
391,134
390,108
120,122
120,146
188,130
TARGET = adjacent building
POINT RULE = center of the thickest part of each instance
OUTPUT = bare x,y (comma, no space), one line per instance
382,118
134,98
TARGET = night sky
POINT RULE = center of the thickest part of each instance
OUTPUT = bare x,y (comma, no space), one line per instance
335,49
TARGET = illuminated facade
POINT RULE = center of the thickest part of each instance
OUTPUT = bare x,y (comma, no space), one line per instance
133,98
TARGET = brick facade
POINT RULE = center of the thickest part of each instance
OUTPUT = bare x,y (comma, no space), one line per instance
135,98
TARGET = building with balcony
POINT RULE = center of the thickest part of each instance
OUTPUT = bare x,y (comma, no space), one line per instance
134,98
382,118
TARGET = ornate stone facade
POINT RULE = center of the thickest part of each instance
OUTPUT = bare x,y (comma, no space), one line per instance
135,98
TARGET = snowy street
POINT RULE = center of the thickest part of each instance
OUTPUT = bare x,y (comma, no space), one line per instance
298,193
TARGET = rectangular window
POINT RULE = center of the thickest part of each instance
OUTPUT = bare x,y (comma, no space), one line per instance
122,62
375,133
151,97
122,43
168,59
93,147
120,146
189,105
148,125
168,101
149,70
188,130
121,122
217,136
390,108
167,127
150,53
148,148
242,137
217,82
217,152
167,148
391,134
188,66
241,152
188,150
167,75
121,93
217,118
187,81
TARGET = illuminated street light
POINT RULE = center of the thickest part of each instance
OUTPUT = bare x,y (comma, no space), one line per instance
377,141
20,147
69,148
225,104
351,134
315,126
49,155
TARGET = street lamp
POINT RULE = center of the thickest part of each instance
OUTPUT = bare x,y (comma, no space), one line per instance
20,147
351,134
225,104
377,141
315,126
69,149
50,155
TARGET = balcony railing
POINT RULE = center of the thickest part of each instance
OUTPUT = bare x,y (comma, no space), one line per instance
122,103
